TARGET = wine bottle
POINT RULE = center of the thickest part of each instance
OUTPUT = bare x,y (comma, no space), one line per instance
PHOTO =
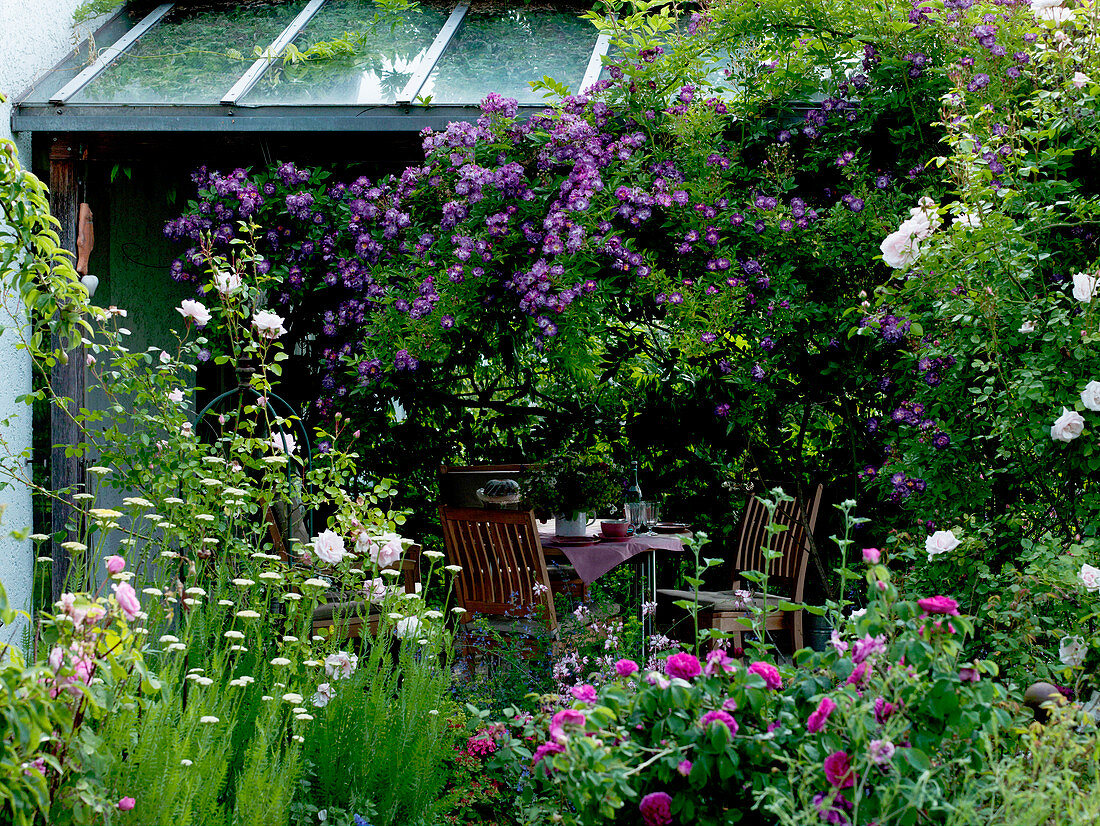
634,492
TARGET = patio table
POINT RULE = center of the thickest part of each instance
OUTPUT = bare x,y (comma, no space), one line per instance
640,551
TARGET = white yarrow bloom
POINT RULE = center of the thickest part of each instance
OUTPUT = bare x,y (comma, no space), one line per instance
209,718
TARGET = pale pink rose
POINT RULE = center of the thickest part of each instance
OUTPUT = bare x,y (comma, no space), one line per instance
382,550
127,600
375,589
194,311
1068,426
1080,80
83,668
115,564
268,324
186,430
1027,327
323,696
89,360
283,443
227,282
901,248
341,665
1056,15
175,396
1039,5
1090,577
1090,396
57,657
66,602
329,547
1084,286
941,542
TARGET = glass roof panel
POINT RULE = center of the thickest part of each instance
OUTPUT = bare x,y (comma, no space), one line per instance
194,55
383,48
83,55
502,50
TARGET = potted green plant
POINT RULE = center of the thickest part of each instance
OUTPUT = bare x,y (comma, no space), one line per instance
572,488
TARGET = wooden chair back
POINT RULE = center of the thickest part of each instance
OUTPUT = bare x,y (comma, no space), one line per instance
503,570
788,572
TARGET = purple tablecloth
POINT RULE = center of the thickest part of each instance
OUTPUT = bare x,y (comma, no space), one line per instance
593,561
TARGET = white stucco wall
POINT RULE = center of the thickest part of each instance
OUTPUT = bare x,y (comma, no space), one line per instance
34,35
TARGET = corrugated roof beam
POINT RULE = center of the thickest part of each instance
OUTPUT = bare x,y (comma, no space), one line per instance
108,55
431,57
271,53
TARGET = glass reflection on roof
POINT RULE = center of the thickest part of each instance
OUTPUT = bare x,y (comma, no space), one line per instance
501,50
382,51
194,55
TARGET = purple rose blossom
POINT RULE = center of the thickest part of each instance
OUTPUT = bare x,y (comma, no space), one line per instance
684,768
884,710
881,752
838,770
683,665
585,693
656,809
833,811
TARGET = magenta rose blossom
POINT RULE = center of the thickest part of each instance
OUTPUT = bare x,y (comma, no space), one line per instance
656,809
126,804
683,665
816,720
624,668
769,672
718,662
883,710
585,693
719,717
684,768
939,605
838,770
565,717
549,747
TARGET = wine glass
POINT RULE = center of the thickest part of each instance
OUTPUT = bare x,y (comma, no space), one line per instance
652,517
636,513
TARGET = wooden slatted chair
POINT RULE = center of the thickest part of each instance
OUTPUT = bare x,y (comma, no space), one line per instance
504,575
458,485
724,611
352,618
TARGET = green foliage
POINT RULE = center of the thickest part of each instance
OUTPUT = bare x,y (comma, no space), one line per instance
574,483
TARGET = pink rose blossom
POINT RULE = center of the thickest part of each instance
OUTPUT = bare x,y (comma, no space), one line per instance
882,751
585,693
858,675
884,710
127,600
816,720
624,668
718,662
769,672
550,747
683,665
684,768
872,556
838,770
719,717
115,564
939,605
126,804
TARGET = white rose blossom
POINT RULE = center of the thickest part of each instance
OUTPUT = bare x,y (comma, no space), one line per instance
329,547
1072,651
1068,426
194,311
1090,396
1027,327
408,627
283,443
1090,577
268,324
1084,286
941,542
1080,80
227,283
